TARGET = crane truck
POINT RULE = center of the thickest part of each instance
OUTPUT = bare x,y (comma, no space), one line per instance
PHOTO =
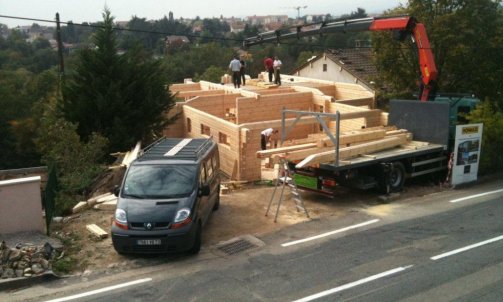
433,119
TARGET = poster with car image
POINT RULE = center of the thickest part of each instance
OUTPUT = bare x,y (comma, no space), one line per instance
466,153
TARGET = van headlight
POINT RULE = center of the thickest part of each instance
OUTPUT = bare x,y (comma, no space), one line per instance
121,219
182,218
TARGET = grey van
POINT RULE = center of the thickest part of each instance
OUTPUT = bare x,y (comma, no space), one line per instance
166,197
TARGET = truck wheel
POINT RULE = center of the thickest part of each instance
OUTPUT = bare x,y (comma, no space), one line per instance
397,177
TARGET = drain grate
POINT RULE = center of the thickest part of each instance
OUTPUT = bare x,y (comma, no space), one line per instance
237,246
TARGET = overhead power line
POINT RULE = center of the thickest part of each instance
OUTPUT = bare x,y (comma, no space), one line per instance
97,26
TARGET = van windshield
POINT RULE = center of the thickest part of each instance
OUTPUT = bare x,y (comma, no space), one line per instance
159,181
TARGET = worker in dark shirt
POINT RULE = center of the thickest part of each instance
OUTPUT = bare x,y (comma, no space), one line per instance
242,71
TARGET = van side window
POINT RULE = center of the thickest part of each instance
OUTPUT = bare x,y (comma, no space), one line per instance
209,168
215,162
202,175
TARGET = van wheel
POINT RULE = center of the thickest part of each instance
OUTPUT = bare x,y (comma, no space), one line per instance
197,241
217,202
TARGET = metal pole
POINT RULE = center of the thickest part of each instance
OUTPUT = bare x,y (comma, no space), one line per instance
283,126
60,46
337,128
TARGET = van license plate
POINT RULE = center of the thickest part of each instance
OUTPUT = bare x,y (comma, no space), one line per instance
149,242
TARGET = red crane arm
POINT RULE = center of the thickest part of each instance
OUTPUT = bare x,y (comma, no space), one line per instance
403,25
426,61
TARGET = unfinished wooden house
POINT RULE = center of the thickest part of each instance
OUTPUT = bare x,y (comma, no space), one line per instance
234,118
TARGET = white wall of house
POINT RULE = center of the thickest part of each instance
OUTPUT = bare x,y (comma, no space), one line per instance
21,205
331,72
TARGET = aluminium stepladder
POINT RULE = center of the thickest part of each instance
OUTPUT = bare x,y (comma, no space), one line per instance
285,179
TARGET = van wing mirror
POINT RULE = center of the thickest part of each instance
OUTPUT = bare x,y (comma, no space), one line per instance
116,190
205,190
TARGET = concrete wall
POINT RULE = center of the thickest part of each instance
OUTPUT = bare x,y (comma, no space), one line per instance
21,205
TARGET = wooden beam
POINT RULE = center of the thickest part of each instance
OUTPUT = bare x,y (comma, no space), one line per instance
349,152
270,152
347,139
96,231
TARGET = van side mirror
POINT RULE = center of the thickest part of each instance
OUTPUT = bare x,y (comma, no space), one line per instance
116,190
205,190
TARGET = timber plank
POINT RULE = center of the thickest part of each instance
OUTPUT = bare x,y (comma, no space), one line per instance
348,152
96,231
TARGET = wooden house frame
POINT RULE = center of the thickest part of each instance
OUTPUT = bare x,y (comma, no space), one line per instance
234,118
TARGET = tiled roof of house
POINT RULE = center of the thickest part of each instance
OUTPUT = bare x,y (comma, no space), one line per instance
357,61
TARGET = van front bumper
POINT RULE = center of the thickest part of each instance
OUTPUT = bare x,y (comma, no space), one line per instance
153,242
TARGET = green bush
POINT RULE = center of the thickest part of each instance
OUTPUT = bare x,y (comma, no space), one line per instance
491,116
78,163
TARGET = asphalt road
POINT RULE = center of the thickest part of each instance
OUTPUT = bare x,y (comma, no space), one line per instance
427,249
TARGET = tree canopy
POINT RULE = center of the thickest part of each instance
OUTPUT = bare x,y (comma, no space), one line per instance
121,97
466,39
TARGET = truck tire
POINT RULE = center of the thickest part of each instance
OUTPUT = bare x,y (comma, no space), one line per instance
397,177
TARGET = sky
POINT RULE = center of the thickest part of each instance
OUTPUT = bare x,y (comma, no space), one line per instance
91,10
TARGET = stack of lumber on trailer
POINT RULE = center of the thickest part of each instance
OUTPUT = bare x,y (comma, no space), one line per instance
319,148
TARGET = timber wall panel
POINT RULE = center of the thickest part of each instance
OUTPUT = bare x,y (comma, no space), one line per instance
372,118
269,107
229,154
344,91
328,90
215,105
184,87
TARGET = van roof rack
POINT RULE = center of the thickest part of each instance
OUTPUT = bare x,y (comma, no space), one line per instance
176,148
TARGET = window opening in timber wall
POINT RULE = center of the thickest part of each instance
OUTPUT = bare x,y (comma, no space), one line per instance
223,139
205,130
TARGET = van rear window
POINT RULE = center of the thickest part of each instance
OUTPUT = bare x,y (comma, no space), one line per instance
159,181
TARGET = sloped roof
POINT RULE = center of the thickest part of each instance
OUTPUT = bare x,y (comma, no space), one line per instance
356,61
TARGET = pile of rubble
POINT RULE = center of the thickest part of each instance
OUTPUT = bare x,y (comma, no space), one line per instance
25,261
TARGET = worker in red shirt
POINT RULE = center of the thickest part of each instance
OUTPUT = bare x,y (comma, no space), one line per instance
268,64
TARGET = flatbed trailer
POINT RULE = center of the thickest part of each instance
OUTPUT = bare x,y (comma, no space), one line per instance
386,170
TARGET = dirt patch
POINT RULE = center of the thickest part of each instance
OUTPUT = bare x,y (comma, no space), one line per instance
242,211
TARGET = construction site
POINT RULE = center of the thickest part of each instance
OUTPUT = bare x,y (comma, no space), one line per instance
234,118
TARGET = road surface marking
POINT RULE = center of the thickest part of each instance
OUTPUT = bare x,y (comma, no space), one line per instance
329,233
475,196
102,290
466,248
353,284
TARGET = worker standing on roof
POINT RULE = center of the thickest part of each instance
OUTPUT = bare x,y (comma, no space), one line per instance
277,70
266,136
269,67
235,67
242,71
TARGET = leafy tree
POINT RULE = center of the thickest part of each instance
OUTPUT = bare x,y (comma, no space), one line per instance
303,57
466,38
212,74
77,162
186,64
121,97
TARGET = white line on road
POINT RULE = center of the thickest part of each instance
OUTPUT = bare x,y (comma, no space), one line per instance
94,292
329,233
466,248
475,196
353,284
